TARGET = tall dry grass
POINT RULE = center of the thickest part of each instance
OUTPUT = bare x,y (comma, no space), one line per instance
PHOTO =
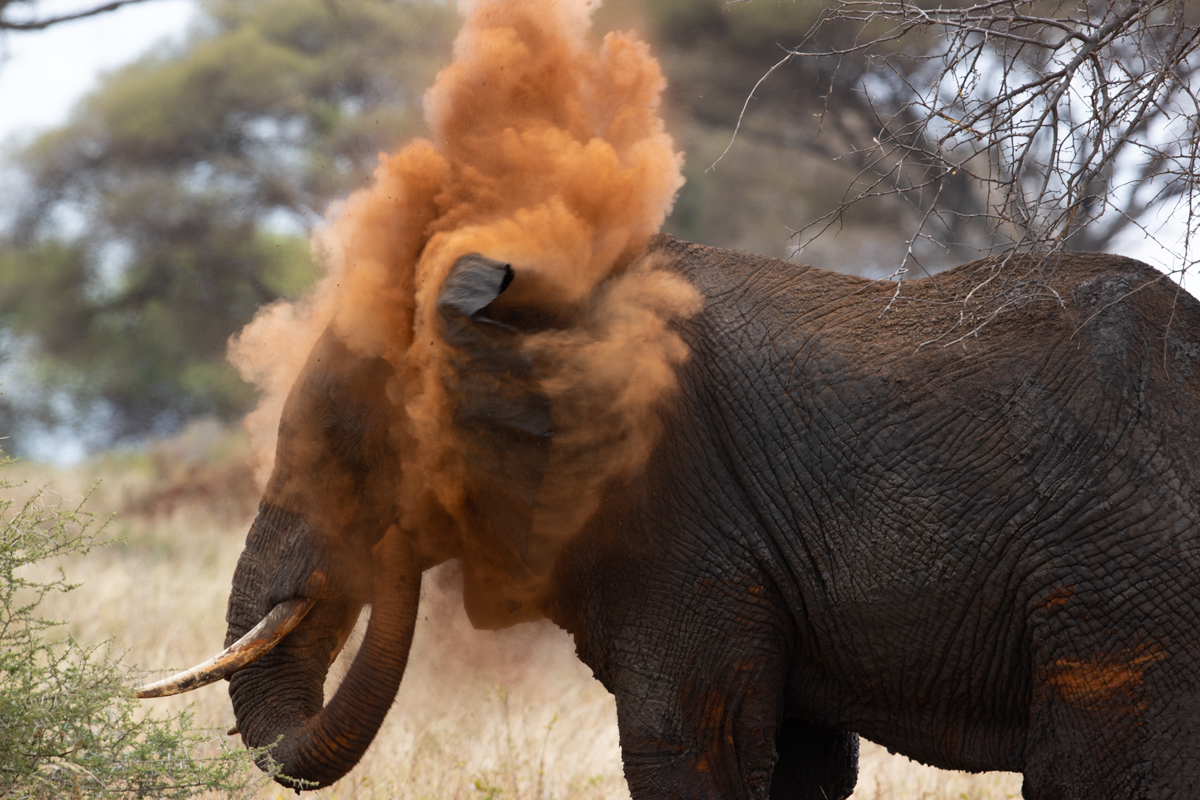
509,715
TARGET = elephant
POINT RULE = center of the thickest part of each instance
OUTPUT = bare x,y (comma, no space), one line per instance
867,514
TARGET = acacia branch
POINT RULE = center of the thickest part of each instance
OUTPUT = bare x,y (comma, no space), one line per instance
1071,120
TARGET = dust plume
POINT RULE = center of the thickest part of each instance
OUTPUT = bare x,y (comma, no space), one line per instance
549,154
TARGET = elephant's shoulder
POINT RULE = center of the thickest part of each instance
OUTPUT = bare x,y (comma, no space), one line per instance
1064,287
1066,277
1099,280
1110,291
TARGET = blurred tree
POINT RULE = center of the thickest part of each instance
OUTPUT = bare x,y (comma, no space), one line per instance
177,201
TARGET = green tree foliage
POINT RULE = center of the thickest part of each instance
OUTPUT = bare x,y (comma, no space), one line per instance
69,723
177,202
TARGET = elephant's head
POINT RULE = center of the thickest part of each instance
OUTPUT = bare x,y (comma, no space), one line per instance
331,534
357,505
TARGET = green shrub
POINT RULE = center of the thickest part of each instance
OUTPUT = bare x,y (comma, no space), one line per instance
69,723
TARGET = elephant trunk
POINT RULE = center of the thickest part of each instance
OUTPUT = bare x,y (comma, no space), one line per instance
278,699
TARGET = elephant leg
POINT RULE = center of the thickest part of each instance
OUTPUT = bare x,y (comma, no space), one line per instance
712,736
727,740
814,762
1118,719
1078,749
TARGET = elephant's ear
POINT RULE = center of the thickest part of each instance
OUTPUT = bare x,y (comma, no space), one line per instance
502,420
473,283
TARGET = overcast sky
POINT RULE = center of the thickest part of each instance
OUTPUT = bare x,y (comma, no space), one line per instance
43,74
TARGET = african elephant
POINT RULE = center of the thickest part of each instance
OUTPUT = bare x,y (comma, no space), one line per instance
980,551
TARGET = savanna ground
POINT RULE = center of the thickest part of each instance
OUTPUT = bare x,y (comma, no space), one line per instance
480,715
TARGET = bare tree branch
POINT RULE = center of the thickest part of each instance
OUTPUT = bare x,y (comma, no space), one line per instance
35,22
1070,122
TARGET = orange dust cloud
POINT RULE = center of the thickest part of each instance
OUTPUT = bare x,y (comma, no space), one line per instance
549,154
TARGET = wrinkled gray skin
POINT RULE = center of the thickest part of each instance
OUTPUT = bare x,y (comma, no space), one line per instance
984,556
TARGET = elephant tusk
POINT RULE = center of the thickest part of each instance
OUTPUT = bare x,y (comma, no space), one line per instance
278,623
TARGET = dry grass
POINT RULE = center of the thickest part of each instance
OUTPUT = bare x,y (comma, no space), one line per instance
480,716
